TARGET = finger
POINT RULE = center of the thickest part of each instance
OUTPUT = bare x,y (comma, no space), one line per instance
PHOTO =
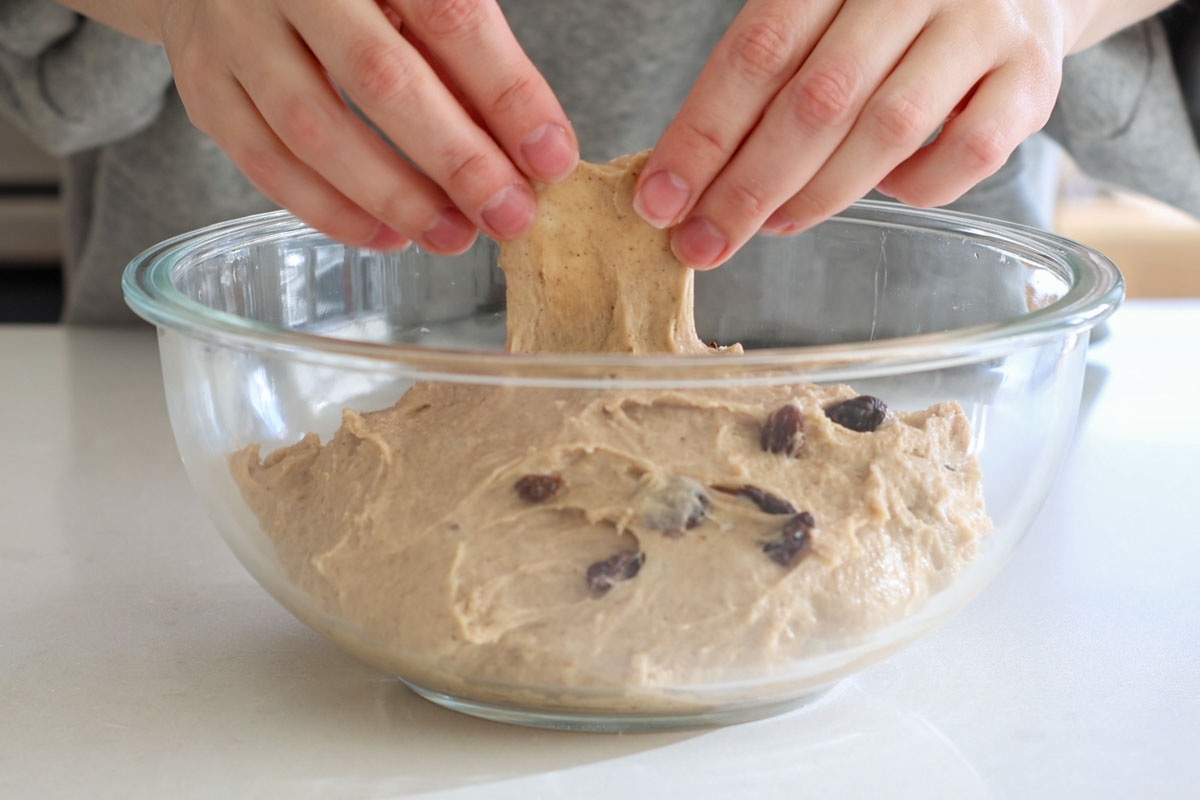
401,93
443,74
222,109
311,120
938,71
757,55
1006,109
801,127
392,17
474,43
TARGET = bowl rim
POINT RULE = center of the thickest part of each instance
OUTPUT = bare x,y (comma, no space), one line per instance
1096,289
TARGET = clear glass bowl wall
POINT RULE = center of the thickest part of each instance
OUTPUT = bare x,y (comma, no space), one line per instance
269,330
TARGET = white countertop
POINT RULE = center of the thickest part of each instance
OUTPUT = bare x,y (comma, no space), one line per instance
138,659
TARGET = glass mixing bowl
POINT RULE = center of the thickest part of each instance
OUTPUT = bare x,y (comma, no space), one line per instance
270,331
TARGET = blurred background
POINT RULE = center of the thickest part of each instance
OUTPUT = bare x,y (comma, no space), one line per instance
30,277
1156,247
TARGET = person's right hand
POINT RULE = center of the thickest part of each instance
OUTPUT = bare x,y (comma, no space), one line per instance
445,80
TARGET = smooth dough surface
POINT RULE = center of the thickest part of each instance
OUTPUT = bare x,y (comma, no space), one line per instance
409,525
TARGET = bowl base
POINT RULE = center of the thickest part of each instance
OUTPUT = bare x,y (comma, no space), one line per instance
589,722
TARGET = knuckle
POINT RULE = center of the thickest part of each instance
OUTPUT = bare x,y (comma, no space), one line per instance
393,203
1042,89
263,166
702,140
1002,17
913,194
449,19
761,52
825,97
746,199
187,63
808,206
516,94
199,101
899,120
305,128
985,147
382,76
468,173
1037,104
1040,114
343,221
201,116
1041,54
936,194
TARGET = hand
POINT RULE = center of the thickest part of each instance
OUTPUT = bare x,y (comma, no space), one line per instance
445,80
806,105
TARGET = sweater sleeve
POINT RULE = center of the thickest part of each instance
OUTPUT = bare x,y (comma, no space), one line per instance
1182,22
1123,115
73,84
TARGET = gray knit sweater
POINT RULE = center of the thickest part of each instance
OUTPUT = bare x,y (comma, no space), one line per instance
137,172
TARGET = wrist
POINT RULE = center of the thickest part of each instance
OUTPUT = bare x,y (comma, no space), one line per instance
140,19
1096,20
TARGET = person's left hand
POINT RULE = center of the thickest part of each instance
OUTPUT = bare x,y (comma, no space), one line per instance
807,105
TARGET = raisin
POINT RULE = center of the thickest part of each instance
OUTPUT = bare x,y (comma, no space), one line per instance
536,488
863,413
714,345
784,431
678,506
701,503
794,541
767,502
603,574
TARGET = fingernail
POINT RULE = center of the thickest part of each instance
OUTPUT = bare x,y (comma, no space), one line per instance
550,152
698,243
451,231
510,212
662,198
388,239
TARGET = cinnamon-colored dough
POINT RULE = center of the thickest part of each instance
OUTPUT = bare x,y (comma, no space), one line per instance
408,524
592,277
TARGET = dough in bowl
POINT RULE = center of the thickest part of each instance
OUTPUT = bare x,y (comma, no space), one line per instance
532,545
